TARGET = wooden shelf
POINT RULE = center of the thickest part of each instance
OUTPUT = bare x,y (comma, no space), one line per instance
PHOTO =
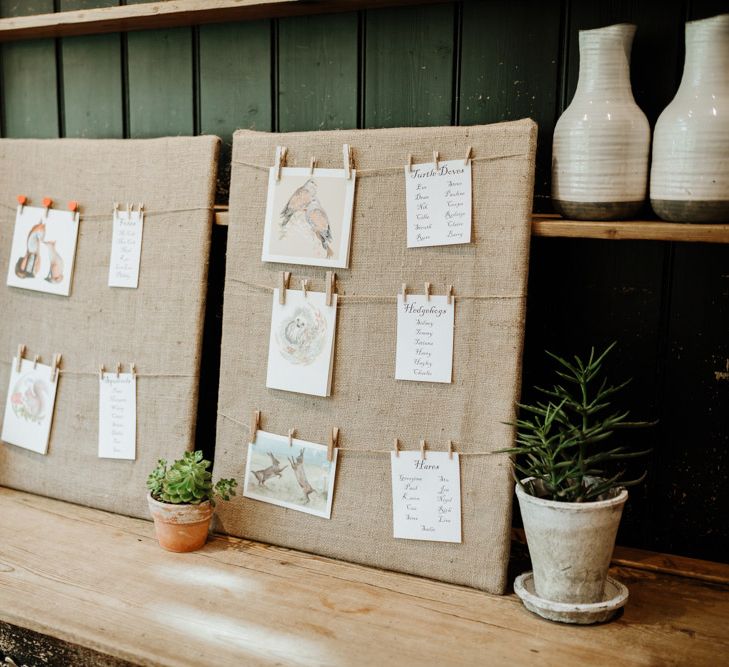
646,230
99,582
629,230
172,14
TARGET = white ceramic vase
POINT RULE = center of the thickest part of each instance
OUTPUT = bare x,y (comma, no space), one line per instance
570,545
602,140
690,172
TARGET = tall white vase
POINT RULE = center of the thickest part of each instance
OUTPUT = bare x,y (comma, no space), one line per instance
602,140
690,173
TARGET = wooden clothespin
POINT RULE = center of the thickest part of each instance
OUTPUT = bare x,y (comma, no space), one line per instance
347,156
55,368
422,450
410,162
133,369
291,437
284,277
450,294
129,210
304,286
427,291
468,156
118,369
35,361
101,371
436,157
22,201
330,280
333,443
47,203
19,360
280,160
397,447
255,425
141,207
312,164
404,292
450,449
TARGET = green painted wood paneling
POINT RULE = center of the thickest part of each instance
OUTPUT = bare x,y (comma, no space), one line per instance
409,66
501,79
317,72
30,93
235,85
160,82
91,66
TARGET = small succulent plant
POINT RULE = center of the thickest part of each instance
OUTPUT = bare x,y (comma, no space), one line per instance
188,482
560,443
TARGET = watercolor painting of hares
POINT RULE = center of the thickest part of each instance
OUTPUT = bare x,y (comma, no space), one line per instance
309,217
29,406
297,476
43,250
301,344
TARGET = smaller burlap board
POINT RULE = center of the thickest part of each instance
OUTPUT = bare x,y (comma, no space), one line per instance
158,326
369,406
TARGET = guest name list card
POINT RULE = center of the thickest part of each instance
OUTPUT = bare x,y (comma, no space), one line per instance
118,416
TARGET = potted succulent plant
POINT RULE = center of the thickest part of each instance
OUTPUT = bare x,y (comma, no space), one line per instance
571,506
182,499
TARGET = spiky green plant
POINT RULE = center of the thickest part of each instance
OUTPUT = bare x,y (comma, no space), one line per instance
188,482
561,445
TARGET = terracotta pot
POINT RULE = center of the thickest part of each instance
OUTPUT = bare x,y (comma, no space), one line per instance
181,528
570,545
602,140
690,172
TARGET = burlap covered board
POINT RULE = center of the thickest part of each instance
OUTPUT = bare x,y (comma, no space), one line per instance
157,326
367,403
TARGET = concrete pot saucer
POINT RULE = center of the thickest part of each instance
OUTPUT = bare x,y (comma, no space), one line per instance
615,597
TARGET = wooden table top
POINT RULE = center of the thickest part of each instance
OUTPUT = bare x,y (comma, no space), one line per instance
100,581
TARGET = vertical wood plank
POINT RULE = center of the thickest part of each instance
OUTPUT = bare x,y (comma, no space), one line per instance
235,85
503,77
317,72
409,66
92,80
160,82
30,94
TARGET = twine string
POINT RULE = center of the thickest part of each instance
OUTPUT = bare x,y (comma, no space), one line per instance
357,450
110,213
109,371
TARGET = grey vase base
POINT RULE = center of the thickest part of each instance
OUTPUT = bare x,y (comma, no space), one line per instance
676,210
609,210
615,597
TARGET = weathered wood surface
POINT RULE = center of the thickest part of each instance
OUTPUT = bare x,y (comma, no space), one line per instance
100,581
170,13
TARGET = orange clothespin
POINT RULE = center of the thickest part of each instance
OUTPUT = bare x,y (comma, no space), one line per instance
73,206
22,201
47,203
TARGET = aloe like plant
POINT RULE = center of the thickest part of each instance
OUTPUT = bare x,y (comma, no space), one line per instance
561,446
188,482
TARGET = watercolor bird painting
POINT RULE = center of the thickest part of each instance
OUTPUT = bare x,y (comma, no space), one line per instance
301,336
305,206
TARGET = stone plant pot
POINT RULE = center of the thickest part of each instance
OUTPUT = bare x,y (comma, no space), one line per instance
181,528
690,171
602,140
570,545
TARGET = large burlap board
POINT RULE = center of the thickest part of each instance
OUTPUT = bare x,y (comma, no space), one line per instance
158,326
367,403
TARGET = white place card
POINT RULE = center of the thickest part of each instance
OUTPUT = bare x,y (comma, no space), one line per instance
301,344
126,248
29,406
438,203
424,338
426,496
118,416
